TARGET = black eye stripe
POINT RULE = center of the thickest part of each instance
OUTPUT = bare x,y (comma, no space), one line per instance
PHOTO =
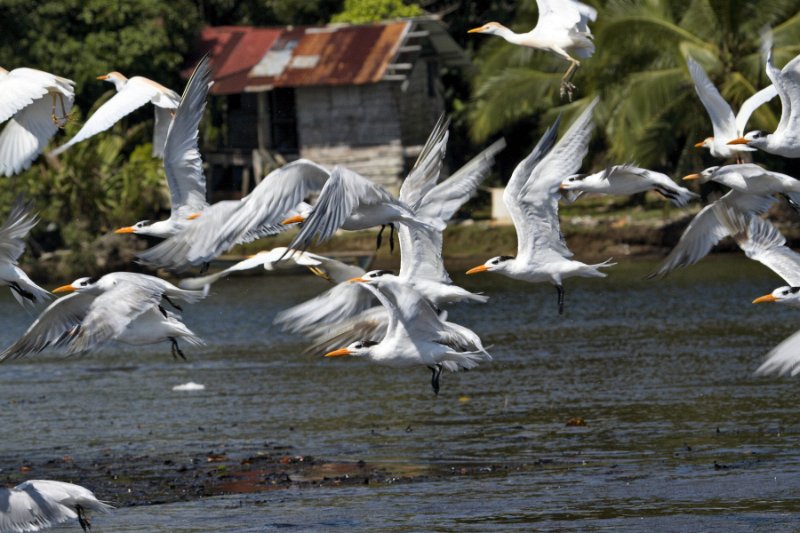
794,290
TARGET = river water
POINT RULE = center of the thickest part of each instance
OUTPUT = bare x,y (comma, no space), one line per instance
679,435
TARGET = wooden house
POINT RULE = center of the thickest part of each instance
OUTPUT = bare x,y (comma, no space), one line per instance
364,97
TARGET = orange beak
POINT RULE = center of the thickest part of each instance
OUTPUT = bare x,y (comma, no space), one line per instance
700,144
102,77
128,229
193,216
293,220
740,140
64,288
478,269
691,177
475,30
338,353
356,280
562,187
759,300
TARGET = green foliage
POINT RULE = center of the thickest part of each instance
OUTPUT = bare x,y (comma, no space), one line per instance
649,111
366,11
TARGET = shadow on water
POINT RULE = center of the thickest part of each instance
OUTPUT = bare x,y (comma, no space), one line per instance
678,432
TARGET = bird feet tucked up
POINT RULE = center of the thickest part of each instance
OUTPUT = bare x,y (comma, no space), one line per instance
436,372
176,350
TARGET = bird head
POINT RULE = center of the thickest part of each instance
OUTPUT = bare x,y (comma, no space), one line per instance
357,349
573,182
492,28
705,143
756,139
116,78
375,277
80,285
702,177
495,264
782,295
140,227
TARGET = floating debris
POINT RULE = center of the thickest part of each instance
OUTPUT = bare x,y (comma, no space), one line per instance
189,386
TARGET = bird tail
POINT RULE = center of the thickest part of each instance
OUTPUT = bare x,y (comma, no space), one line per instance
189,296
681,196
593,271
455,361
26,292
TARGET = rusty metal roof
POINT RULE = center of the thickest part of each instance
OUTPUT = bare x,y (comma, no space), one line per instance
248,59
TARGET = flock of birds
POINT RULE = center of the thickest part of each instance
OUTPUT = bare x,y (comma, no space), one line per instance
398,320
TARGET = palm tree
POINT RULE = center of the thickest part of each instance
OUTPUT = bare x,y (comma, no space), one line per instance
649,113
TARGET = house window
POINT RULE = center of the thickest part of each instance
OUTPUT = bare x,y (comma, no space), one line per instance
283,121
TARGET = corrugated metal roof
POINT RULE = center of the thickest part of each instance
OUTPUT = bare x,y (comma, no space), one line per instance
249,59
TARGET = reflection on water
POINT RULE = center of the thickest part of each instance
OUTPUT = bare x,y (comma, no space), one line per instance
680,434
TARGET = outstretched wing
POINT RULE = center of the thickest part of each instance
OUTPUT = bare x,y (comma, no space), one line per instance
131,97
16,227
751,104
425,173
26,135
182,161
566,15
720,113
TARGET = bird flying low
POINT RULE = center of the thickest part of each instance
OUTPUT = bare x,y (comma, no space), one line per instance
752,179
35,104
131,94
415,335
41,503
725,124
624,180
183,163
531,197
562,28
14,230
121,306
785,140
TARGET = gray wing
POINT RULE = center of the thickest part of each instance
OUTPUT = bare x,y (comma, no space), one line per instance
720,113
342,194
706,230
15,229
783,359
25,136
369,325
425,172
751,104
762,242
538,198
182,161
337,304
56,326
778,81
421,253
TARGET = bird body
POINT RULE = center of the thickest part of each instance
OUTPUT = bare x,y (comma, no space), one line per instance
131,94
751,179
37,504
531,198
28,101
626,180
183,164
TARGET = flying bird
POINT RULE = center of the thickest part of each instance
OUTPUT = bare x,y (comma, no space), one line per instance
752,179
121,306
625,180
562,28
531,197
183,164
35,104
14,230
38,503
725,124
762,242
131,94
785,140
415,335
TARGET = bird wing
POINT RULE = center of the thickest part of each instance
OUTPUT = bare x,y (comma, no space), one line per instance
370,324
227,223
421,253
783,359
131,97
340,302
443,200
762,242
29,507
182,161
114,310
162,118
26,135
56,326
790,74
425,172
538,227
778,81
706,230
565,14
20,88
342,194
722,119
16,227
751,104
